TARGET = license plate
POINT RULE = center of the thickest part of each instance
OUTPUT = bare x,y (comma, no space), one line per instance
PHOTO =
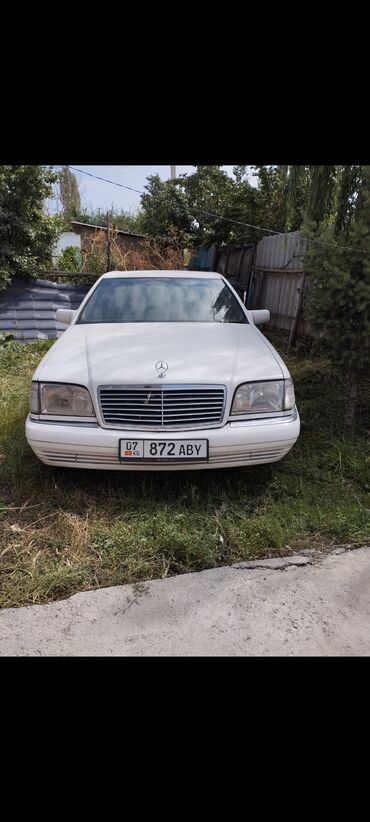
157,450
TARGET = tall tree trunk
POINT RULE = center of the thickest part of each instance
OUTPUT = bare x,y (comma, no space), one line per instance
351,403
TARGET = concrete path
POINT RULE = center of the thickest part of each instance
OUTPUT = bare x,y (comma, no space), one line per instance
308,604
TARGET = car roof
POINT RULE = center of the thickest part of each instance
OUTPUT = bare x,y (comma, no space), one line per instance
163,273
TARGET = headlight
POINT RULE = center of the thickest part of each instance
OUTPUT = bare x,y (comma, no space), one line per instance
264,397
62,400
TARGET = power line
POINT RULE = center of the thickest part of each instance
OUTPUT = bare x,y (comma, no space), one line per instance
229,219
199,210
104,180
238,222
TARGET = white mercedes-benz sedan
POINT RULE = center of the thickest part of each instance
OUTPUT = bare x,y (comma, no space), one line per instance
161,370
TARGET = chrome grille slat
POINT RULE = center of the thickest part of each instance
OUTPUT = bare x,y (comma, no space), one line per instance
190,399
162,408
139,402
170,413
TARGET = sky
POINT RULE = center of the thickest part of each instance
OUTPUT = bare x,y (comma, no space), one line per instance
97,194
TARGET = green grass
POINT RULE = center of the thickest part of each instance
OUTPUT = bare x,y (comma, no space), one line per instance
63,531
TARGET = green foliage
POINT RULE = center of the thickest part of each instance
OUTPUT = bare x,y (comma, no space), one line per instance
297,188
283,196
338,299
165,206
331,196
96,260
210,189
187,204
272,205
320,205
5,339
118,218
69,193
70,259
317,194
27,235
349,179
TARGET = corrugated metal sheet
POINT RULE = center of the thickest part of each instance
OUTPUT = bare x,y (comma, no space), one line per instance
281,251
203,260
235,262
27,307
279,292
278,277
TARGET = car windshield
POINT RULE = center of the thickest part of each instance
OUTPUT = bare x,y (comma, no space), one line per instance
162,299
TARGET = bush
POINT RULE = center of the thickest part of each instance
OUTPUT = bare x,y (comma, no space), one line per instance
27,235
70,259
5,339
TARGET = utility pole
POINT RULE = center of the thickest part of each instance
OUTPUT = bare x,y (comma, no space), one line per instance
108,243
173,172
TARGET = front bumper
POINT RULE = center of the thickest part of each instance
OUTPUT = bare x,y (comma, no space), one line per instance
237,443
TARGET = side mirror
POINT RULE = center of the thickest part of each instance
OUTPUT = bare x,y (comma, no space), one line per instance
65,315
260,316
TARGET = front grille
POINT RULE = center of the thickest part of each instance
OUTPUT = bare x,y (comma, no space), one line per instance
171,406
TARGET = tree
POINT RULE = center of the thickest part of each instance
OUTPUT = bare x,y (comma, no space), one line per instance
201,207
70,259
209,192
272,197
212,192
321,195
69,193
297,188
209,206
349,179
165,207
283,192
338,299
27,235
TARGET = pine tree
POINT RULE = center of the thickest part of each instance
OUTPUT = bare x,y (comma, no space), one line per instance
348,184
338,299
69,193
297,186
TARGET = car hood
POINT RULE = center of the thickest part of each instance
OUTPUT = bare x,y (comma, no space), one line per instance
116,354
